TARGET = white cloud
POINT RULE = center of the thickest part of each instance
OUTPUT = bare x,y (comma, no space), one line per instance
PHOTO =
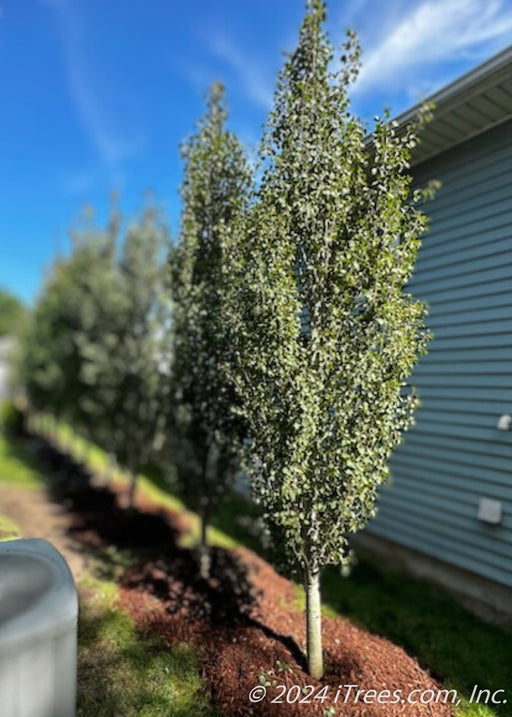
435,31
246,68
112,144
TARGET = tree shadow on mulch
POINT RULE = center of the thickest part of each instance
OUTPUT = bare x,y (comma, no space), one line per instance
226,598
158,564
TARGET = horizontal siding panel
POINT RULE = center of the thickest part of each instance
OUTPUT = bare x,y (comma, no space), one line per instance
487,353
469,341
454,307
466,432
497,273
421,383
449,500
460,256
457,418
470,212
446,551
496,539
466,541
446,403
466,268
431,464
472,187
493,222
479,328
402,475
479,288
436,366
476,393
495,216
420,438
456,187
448,548
466,163
430,248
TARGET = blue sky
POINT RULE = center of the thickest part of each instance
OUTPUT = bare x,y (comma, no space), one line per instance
96,95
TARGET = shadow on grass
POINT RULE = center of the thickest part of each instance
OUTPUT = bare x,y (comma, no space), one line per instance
18,464
123,673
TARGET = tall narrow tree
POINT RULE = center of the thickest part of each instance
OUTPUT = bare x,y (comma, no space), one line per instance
325,335
129,365
214,191
97,351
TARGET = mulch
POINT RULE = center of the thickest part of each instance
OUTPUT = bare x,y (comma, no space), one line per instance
262,640
244,618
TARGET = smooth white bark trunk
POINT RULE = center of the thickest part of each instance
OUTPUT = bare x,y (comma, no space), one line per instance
314,623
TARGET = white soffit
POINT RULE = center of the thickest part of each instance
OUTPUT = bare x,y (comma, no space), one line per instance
477,101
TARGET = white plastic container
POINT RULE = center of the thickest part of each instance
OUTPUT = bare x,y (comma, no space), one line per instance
38,628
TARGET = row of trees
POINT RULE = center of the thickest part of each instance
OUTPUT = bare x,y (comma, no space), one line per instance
96,352
290,335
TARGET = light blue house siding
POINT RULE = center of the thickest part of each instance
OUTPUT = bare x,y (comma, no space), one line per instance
455,455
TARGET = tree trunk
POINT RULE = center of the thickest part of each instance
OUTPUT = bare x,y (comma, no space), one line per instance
204,515
203,538
131,493
108,472
314,623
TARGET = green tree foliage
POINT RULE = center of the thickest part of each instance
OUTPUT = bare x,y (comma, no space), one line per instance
129,366
324,334
97,349
12,313
214,191
69,314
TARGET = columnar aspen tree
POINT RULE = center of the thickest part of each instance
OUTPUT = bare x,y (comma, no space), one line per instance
97,351
324,333
130,365
215,190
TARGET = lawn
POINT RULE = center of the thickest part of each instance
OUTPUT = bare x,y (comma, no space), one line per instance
126,673
146,677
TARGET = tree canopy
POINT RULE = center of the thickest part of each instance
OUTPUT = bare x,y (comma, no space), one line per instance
325,331
214,192
12,313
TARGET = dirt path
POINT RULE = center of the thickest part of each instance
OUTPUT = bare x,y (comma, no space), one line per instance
39,517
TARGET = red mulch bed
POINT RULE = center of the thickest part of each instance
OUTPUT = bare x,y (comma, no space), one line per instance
243,618
265,636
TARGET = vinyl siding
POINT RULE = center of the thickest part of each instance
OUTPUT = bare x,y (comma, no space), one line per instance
455,455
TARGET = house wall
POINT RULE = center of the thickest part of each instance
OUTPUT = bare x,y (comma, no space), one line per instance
455,454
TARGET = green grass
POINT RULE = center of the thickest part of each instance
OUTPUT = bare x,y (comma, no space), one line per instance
17,465
122,672
9,530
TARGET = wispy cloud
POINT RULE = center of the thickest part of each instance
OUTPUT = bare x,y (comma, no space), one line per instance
112,144
257,88
433,32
